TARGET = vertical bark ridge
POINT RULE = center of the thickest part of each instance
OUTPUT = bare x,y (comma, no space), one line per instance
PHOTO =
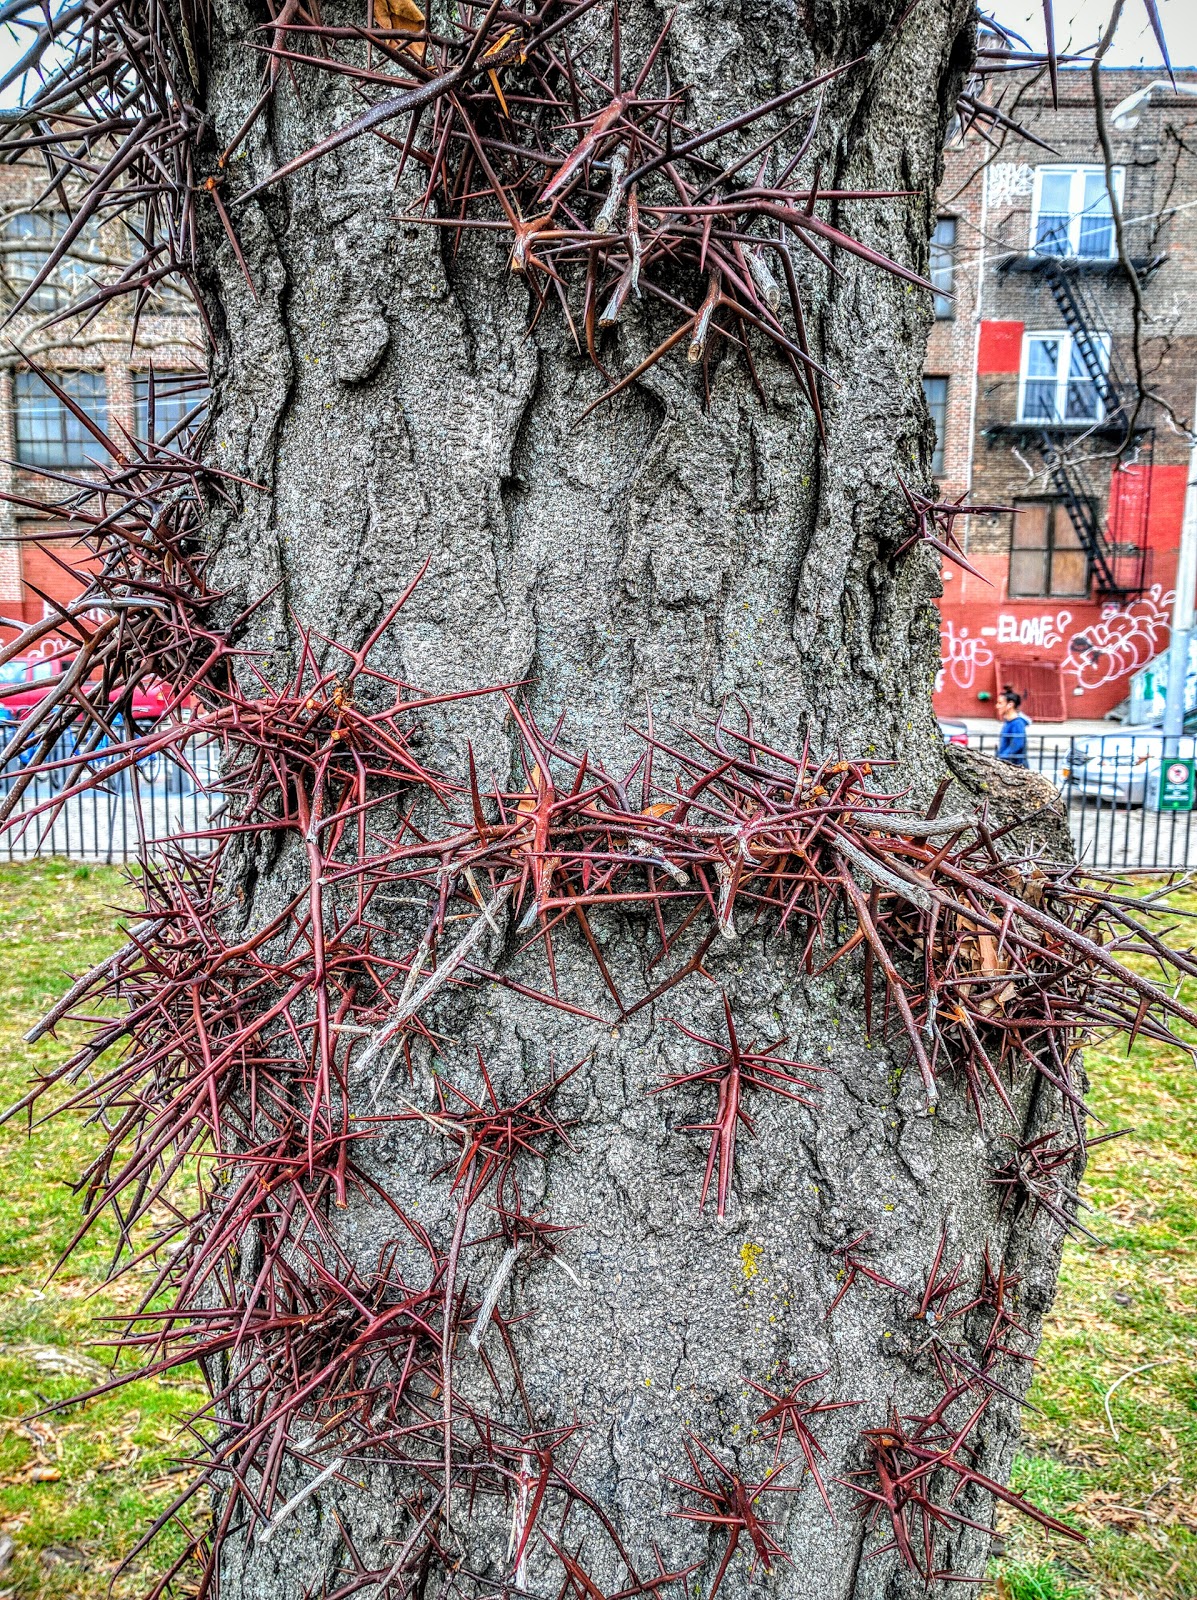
384,389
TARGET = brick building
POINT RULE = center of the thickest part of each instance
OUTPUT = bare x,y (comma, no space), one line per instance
129,381
1030,379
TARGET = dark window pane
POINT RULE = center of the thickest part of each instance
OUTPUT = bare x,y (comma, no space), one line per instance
935,391
167,400
1097,234
1080,403
1054,216
48,433
1051,234
943,264
32,233
1040,392
1097,221
1039,400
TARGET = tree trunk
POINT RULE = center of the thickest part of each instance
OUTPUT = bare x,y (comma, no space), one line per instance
665,554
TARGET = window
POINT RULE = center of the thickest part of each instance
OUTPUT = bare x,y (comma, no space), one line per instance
1046,554
48,432
1071,213
1055,384
943,267
28,238
935,392
163,402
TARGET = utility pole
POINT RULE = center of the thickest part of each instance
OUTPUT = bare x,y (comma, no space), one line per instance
1182,609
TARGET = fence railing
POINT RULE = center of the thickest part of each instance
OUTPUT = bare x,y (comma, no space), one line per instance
1120,793
1111,784
133,811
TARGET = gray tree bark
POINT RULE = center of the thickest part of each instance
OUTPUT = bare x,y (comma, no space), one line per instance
390,400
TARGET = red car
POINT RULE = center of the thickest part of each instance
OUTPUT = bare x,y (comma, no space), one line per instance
40,672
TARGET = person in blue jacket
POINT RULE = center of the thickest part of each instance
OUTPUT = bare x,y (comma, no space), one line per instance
1012,745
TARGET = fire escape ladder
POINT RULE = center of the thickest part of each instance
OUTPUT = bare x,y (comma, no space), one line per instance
1084,324
1081,514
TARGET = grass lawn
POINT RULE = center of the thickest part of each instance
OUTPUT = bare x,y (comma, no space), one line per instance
1126,1314
77,1489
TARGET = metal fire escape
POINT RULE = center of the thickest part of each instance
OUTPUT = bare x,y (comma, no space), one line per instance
1115,571
1083,322
1065,480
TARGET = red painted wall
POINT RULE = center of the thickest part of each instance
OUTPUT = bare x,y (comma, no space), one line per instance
999,348
1095,646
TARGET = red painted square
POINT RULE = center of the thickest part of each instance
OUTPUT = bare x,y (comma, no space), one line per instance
1163,488
1000,347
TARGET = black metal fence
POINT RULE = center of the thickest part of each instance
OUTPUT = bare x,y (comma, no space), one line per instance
1129,805
133,811
1128,808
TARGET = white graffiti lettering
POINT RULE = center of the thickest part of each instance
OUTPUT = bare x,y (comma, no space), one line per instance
962,655
1042,631
1126,638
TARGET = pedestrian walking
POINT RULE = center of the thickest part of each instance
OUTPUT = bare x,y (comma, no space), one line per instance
1012,745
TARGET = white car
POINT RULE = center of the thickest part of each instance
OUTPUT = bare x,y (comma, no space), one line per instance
1123,768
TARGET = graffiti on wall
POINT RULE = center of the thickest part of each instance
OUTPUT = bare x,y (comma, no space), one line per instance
1041,632
1125,639
961,655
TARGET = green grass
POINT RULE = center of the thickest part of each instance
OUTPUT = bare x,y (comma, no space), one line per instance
1129,1302
78,1488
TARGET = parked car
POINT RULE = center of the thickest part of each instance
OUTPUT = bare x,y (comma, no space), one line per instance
40,673
1120,767
27,680
953,730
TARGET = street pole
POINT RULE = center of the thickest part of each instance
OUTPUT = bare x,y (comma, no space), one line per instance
1182,608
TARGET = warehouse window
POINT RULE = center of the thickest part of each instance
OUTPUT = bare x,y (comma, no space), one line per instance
1046,554
1055,384
49,434
167,405
28,239
943,267
935,391
1071,213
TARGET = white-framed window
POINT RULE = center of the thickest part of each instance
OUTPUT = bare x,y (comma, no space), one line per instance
1054,382
935,392
1071,213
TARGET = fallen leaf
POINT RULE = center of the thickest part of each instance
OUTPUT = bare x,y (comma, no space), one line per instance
401,16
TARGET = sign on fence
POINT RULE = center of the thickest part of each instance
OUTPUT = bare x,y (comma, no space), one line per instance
1176,784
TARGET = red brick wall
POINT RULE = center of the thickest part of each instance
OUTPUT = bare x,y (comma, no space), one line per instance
166,341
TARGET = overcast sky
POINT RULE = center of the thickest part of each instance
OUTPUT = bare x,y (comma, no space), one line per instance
1079,24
